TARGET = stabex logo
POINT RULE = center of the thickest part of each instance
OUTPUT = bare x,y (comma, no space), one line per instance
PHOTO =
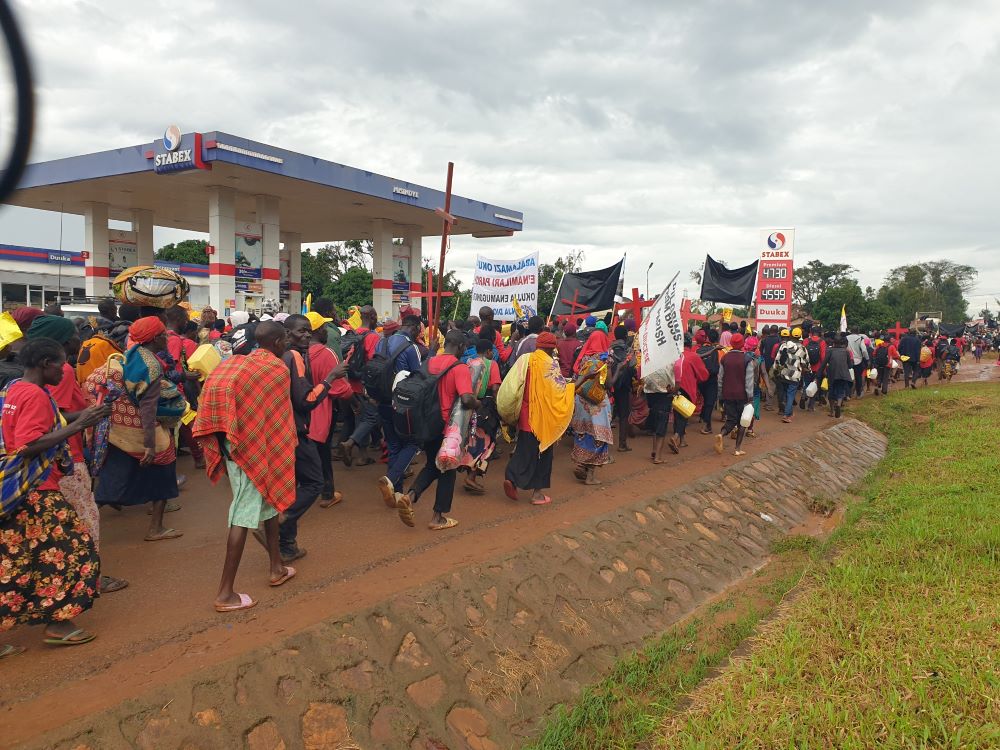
776,241
172,138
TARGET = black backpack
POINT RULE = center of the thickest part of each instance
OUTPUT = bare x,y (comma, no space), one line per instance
352,345
710,356
882,356
416,406
813,348
378,372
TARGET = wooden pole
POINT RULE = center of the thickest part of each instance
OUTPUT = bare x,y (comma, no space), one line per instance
446,221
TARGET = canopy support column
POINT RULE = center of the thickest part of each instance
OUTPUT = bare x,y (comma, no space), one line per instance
222,237
95,243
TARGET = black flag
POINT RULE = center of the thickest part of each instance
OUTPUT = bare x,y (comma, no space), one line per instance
729,286
587,291
952,329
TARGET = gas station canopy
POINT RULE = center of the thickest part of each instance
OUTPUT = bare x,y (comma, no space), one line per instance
320,200
258,204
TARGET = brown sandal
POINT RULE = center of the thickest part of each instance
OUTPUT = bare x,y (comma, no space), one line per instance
405,509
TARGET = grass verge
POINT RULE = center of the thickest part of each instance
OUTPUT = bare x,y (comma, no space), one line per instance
892,642
627,707
895,642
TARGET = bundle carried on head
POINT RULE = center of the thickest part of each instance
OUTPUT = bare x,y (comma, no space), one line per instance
150,287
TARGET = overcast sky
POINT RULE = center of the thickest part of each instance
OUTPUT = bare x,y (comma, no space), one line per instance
663,129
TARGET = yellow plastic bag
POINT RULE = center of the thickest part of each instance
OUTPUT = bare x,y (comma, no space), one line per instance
825,385
683,406
10,331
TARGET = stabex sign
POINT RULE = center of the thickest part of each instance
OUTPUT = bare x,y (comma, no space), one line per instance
176,152
774,276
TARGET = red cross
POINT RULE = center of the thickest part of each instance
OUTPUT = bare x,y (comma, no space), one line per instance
687,316
573,304
898,330
431,295
636,305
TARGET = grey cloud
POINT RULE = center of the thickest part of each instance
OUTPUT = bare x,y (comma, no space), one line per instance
666,128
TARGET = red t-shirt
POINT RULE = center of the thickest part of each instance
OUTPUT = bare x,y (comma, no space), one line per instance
321,362
176,344
494,378
27,415
68,396
456,383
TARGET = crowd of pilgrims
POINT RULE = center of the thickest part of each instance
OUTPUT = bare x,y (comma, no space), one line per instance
95,412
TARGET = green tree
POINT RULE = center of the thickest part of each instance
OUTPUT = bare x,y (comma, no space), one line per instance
814,278
549,276
324,267
185,251
354,287
932,286
866,313
458,305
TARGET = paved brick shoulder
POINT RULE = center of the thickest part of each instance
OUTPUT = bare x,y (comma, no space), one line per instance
476,658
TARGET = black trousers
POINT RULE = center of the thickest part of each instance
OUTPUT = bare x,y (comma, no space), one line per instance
623,408
528,469
326,464
445,492
710,394
859,378
732,411
309,485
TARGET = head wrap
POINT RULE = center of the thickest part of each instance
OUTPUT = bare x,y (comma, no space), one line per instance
630,325
239,318
280,317
146,329
601,326
597,343
750,345
700,336
569,330
545,340
736,341
390,327
24,316
590,322
52,327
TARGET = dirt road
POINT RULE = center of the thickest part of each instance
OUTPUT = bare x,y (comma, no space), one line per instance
163,626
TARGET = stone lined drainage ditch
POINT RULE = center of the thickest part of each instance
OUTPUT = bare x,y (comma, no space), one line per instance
476,659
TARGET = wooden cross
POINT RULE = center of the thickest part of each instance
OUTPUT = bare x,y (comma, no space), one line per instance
636,305
432,296
446,221
898,330
687,316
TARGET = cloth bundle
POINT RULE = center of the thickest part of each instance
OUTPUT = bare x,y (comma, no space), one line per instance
149,286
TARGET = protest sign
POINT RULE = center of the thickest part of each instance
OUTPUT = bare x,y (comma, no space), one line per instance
499,282
661,339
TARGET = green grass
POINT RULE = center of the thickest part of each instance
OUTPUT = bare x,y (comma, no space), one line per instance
896,641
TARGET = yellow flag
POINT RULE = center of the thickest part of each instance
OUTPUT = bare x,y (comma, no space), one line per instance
517,308
308,304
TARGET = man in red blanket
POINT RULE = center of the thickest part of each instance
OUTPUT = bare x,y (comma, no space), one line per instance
244,398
